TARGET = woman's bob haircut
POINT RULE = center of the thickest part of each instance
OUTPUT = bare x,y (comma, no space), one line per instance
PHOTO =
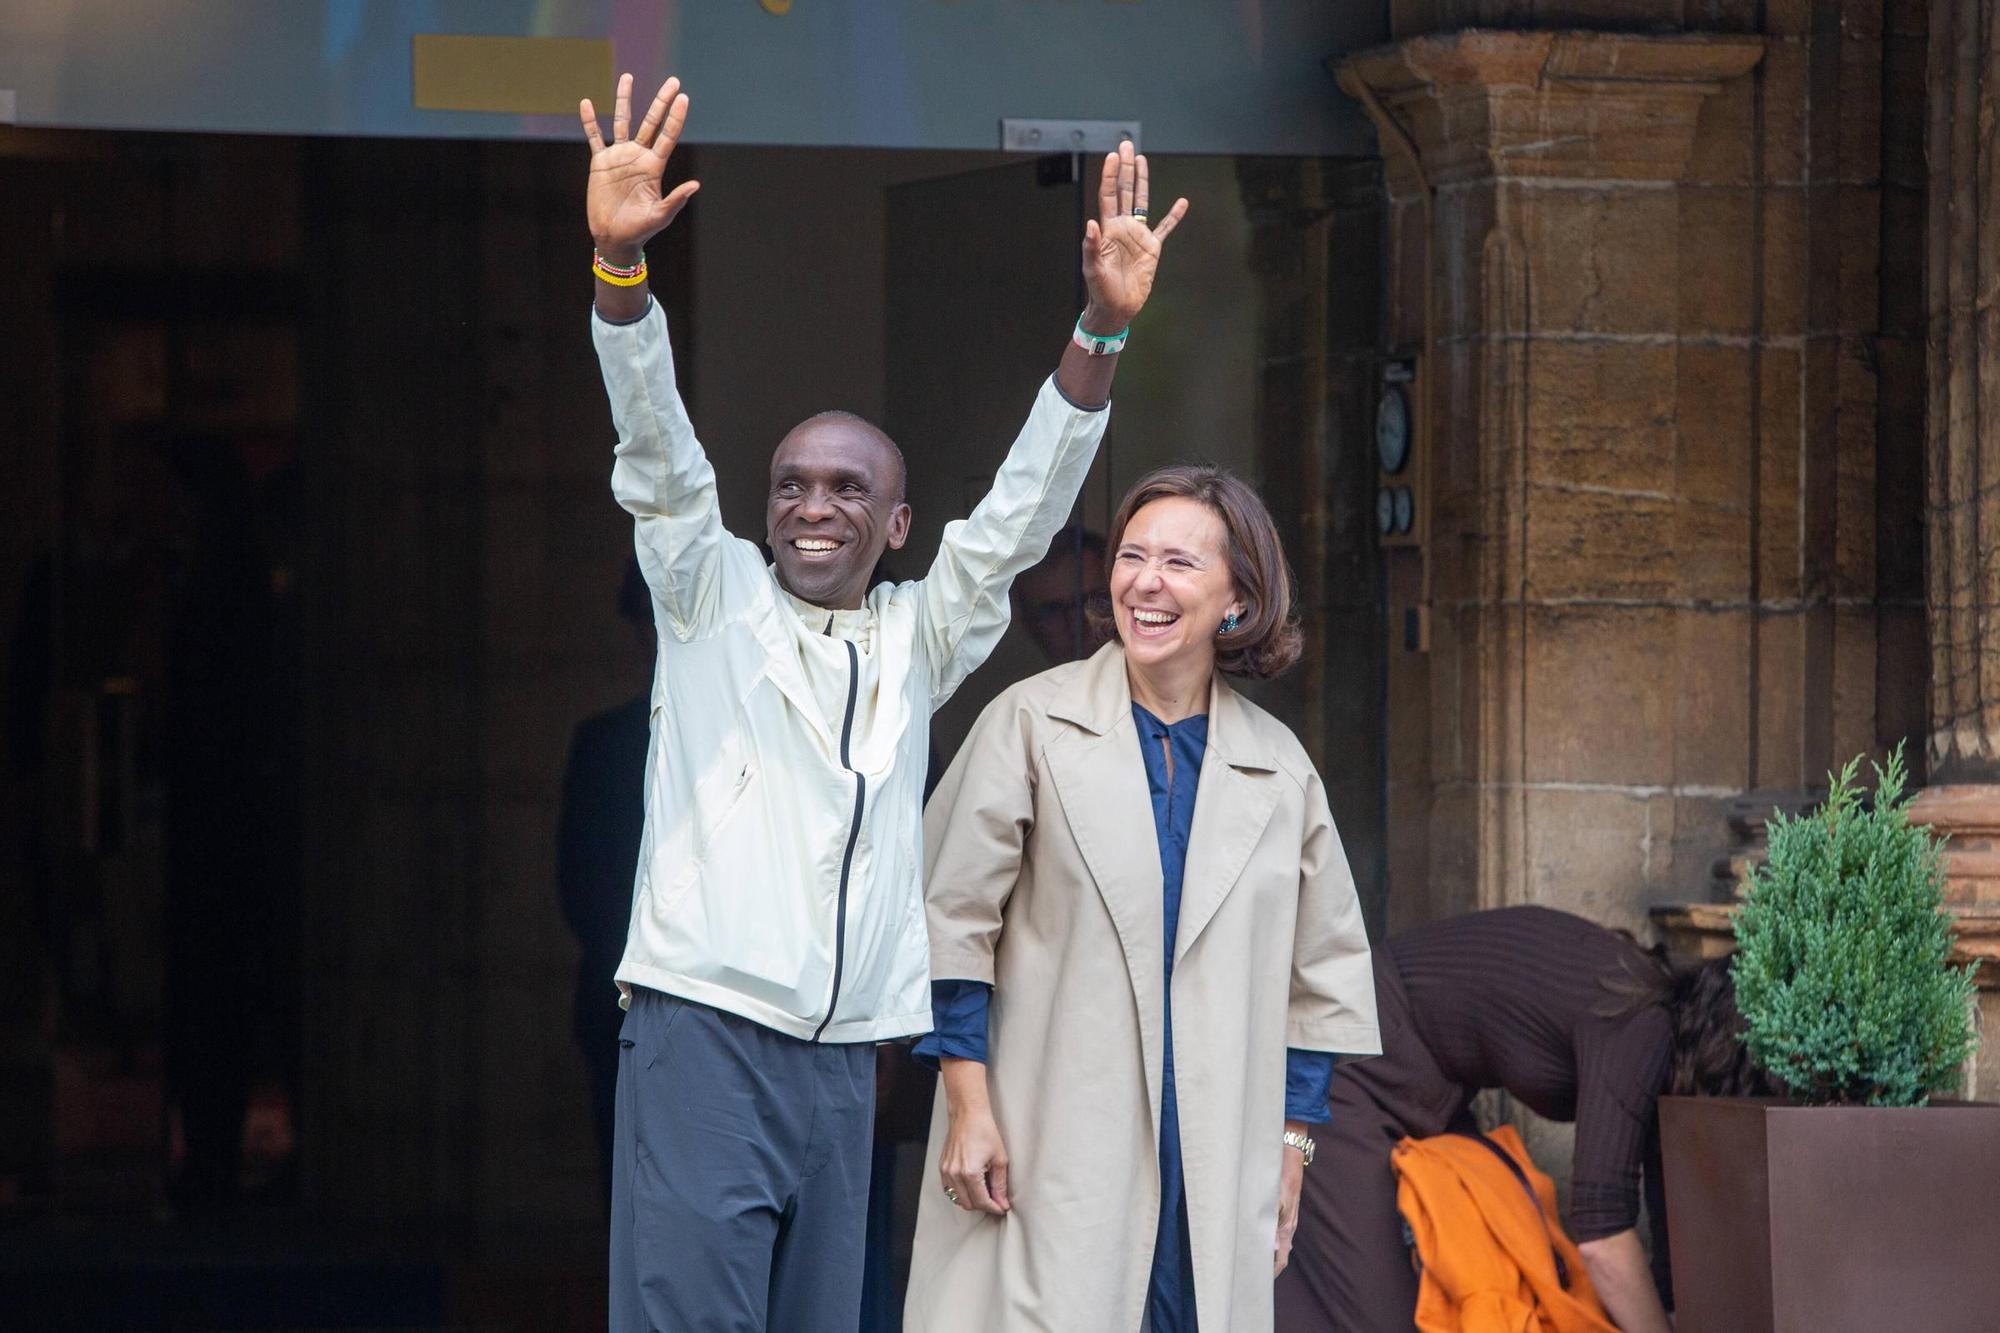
1266,640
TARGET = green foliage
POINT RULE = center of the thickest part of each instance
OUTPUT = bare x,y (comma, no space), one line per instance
1842,970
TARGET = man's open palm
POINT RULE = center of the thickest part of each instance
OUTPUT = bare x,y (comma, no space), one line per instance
1121,251
624,203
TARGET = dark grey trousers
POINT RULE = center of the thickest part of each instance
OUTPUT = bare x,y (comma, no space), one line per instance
739,1189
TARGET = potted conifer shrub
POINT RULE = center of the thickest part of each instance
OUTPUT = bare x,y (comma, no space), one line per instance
1863,1201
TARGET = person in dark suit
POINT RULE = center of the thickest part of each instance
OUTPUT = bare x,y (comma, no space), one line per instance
597,859
230,878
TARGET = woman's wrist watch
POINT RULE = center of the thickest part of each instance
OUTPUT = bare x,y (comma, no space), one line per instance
1294,1139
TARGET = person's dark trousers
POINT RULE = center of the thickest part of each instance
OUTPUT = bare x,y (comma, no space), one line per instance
1351,1267
739,1190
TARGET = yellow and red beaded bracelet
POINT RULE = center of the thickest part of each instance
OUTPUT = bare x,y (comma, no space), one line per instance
618,275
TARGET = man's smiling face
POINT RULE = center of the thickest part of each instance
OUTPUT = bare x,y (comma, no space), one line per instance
836,503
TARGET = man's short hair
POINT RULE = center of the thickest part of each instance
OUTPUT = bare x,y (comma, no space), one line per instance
846,418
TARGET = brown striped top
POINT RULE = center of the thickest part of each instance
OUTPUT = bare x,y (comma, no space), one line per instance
1515,999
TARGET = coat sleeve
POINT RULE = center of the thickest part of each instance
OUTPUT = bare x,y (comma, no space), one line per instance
975,834
1333,981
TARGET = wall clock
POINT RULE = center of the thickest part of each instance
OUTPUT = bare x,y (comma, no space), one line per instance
1392,429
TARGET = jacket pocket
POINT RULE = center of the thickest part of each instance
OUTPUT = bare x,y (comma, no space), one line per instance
715,801
720,793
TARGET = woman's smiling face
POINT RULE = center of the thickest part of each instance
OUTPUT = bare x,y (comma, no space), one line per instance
1170,582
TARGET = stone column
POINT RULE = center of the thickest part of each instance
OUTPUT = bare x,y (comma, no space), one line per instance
1961,271
1315,230
1543,746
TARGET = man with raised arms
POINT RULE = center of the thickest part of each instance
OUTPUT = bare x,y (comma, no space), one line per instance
777,926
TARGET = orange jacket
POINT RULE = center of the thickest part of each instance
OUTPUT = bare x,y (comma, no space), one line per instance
1489,1256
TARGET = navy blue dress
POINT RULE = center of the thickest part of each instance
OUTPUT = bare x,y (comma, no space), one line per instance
959,1013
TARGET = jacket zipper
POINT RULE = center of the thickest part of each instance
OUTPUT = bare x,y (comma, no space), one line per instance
853,834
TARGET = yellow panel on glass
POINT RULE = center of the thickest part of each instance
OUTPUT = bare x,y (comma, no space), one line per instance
523,75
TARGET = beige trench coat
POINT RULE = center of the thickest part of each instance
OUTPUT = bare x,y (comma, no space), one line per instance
1044,879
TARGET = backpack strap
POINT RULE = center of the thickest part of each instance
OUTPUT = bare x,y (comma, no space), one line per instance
1514,1167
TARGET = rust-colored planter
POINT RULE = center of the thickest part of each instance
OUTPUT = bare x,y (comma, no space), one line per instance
1794,1219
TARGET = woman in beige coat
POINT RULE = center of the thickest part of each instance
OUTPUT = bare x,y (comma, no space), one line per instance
1135,1031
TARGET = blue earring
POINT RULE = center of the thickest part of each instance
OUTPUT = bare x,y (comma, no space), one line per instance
1229,624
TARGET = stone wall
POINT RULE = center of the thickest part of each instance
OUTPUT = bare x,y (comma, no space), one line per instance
1315,256
1674,433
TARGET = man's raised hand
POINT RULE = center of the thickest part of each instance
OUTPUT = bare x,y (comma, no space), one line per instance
624,203
1121,251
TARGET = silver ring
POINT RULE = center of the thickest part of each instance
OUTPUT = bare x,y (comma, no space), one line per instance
1140,214
951,1193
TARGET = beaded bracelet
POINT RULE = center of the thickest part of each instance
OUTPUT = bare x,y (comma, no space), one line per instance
618,275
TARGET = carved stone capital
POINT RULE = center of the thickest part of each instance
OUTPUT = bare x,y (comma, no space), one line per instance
1969,817
1695,932
1575,105
1749,821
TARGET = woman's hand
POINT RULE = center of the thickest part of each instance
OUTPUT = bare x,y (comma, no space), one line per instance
972,1166
1291,1179
1121,252
1624,1282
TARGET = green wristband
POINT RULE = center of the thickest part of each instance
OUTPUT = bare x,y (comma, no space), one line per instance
1100,344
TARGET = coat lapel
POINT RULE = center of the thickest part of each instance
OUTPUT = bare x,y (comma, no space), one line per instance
1100,778
1238,792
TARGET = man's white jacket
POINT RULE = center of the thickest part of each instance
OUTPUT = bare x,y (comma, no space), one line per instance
781,872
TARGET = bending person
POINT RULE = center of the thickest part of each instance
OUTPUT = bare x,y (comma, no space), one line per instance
1575,1022
776,930
1135,1034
